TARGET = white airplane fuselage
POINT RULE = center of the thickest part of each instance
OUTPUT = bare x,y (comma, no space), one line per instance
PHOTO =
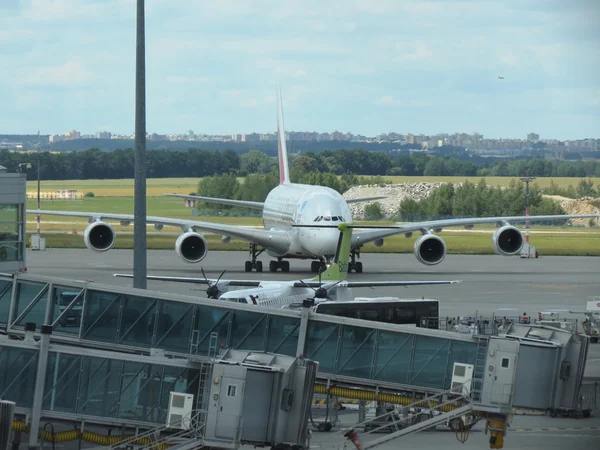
300,204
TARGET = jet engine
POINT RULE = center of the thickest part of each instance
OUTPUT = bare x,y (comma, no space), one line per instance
507,240
430,249
99,236
191,247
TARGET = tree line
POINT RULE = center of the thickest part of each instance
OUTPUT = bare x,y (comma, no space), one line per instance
97,164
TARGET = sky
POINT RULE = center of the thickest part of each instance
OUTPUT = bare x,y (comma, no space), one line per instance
360,66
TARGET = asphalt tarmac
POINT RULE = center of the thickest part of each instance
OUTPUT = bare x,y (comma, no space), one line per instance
506,286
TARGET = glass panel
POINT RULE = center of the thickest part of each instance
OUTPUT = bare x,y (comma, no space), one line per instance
99,387
62,378
356,355
5,296
62,297
321,344
211,319
9,233
139,389
461,352
101,316
174,326
393,357
282,336
248,331
137,321
17,375
430,362
26,293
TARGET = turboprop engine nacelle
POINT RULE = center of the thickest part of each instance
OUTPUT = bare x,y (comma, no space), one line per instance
430,249
99,236
191,247
507,240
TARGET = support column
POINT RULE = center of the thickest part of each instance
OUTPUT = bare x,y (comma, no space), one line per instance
302,332
40,379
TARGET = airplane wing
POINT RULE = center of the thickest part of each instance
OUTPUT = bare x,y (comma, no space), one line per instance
364,236
359,284
275,239
220,201
364,199
194,280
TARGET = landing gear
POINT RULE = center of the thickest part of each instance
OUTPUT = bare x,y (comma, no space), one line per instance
318,266
353,264
274,266
253,264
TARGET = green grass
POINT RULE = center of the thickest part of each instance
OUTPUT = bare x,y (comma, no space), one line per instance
158,186
457,243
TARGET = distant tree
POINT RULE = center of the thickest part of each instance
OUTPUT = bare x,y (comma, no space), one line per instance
373,211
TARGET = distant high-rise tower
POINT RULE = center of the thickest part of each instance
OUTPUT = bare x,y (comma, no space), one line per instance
533,137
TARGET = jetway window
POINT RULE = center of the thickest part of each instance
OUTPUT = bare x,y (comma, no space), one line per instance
5,295
231,390
505,362
248,331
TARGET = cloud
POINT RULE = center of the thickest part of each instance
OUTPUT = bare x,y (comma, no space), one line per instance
386,100
70,73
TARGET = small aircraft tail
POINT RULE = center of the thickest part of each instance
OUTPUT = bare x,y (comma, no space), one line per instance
284,175
338,271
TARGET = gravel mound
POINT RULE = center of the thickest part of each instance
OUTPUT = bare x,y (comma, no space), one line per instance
394,194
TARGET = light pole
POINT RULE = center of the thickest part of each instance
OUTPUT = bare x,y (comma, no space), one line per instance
139,208
38,199
527,179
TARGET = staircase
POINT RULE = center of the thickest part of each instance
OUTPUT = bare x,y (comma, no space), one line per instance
421,415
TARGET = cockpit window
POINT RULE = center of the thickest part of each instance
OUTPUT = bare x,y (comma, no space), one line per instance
237,300
335,218
318,219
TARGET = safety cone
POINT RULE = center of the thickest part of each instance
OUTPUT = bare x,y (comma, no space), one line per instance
353,436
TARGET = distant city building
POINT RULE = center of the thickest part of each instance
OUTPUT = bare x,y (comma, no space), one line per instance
533,137
73,134
104,135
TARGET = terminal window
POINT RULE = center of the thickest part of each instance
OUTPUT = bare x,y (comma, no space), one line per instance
231,389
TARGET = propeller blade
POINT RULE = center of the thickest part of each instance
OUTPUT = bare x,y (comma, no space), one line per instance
219,279
204,275
302,281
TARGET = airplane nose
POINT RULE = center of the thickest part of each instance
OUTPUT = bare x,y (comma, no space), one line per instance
321,241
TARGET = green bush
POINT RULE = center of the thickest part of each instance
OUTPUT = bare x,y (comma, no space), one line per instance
373,211
89,194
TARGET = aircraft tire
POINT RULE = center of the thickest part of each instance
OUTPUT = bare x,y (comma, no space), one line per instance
272,266
248,266
285,266
358,267
259,266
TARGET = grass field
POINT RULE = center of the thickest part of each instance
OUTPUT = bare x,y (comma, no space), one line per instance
457,243
158,186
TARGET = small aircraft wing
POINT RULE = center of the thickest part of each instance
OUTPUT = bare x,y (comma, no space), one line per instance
275,239
364,236
194,280
359,284
220,201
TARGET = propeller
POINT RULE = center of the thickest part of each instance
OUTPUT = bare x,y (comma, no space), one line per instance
213,289
321,292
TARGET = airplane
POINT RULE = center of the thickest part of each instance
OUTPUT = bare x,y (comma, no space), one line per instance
277,294
290,204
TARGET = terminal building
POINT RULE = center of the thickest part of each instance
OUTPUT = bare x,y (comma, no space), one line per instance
94,359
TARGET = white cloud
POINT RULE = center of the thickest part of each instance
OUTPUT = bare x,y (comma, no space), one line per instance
70,73
386,100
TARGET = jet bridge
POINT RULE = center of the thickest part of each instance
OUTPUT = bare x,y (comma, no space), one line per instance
124,349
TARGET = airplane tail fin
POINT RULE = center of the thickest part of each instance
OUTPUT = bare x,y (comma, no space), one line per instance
284,175
338,271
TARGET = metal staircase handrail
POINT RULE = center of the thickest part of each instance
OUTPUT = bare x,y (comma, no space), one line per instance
421,403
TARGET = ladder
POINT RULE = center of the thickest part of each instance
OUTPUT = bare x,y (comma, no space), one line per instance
479,369
420,415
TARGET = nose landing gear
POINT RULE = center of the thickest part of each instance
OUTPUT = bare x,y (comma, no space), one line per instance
354,265
274,266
